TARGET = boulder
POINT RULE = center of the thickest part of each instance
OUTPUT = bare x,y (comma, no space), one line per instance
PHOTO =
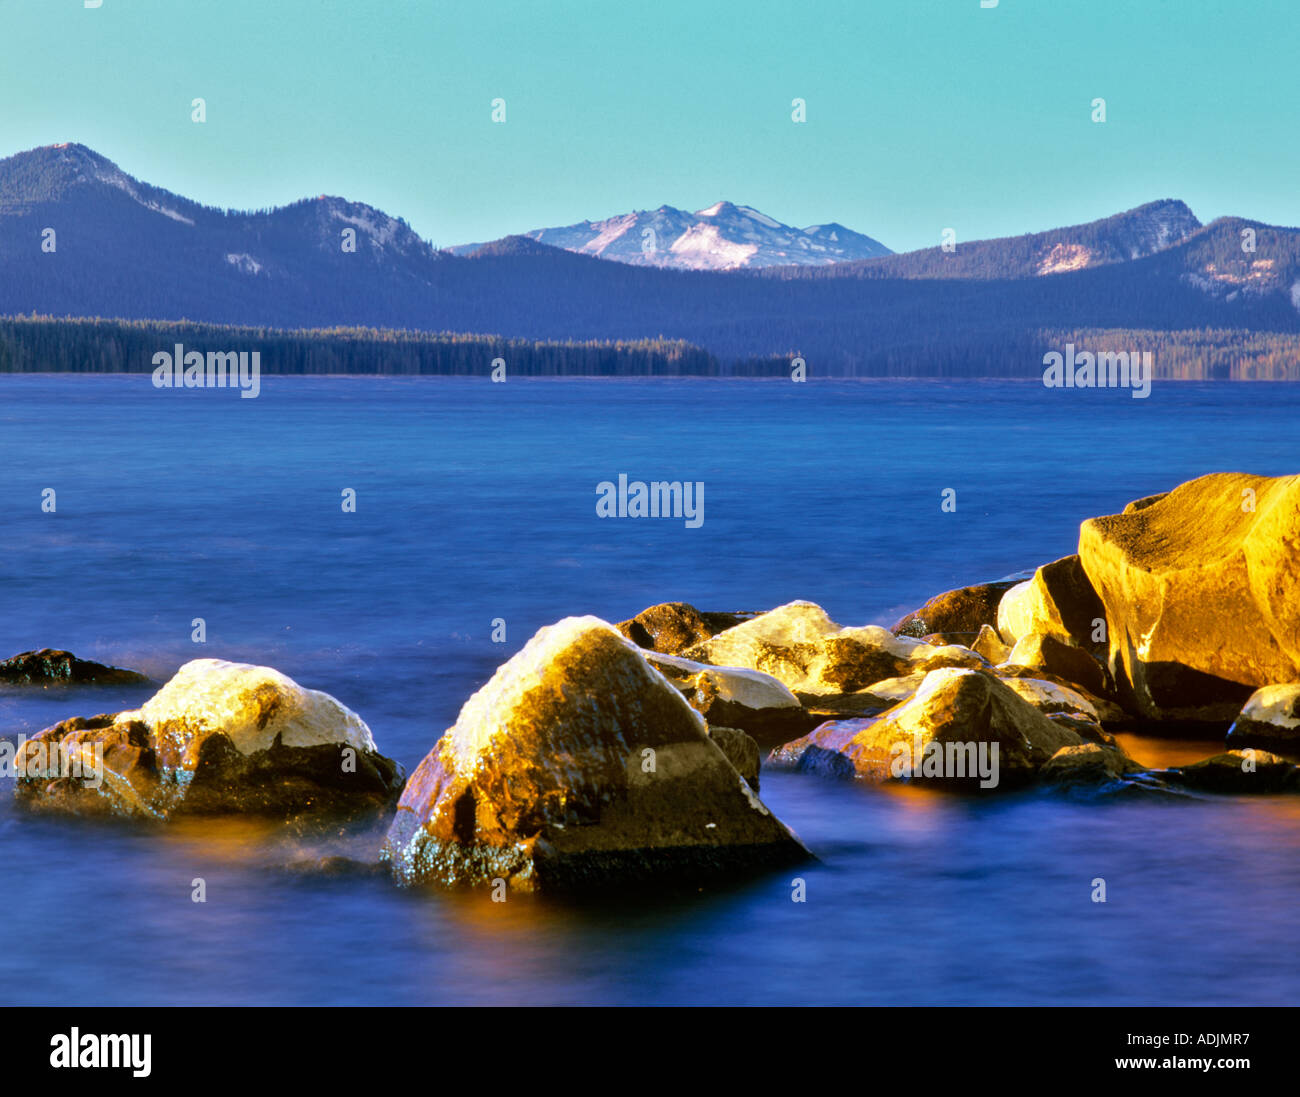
579,765
802,647
737,697
1201,592
964,610
1238,771
1102,708
947,639
1051,652
51,666
1270,720
989,644
1088,764
218,738
962,726
1057,601
672,627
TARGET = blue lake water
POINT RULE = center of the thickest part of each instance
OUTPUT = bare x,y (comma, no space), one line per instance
476,501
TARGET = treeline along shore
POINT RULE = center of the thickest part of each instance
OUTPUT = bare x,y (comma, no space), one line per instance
42,344
47,344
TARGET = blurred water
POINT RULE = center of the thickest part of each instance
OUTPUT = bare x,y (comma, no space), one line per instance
477,501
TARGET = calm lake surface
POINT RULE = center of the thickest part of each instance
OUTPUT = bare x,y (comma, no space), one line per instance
476,501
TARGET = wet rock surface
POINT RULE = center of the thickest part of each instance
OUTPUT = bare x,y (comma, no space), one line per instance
579,765
218,738
51,666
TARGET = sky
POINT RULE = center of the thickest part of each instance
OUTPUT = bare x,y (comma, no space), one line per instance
921,115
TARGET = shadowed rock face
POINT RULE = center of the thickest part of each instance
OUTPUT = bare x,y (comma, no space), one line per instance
953,706
578,764
50,665
1270,720
965,610
672,627
218,738
1202,593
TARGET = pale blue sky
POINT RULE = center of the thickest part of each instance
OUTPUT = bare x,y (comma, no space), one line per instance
922,114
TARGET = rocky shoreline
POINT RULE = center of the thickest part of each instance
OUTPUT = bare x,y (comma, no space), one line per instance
631,754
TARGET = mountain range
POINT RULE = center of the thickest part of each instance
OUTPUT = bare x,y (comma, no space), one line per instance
118,247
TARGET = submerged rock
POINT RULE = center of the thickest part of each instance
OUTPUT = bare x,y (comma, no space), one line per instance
964,610
1238,771
1270,720
219,737
961,726
577,765
1202,592
49,665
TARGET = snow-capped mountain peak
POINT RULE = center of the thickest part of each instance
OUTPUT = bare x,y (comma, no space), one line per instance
723,236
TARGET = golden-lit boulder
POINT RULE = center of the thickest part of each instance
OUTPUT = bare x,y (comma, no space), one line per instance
218,738
964,727
579,765
1201,589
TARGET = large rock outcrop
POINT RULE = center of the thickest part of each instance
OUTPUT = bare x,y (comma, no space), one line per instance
1202,593
961,726
578,765
219,737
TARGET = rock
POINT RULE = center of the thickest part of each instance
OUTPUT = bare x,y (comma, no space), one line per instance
1057,601
218,738
950,639
1048,651
52,666
1238,771
947,731
1202,594
951,655
1089,763
741,751
802,647
672,627
989,644
1051,697
1104,709
964,610
1144,502
737,697
1270,720
579,765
